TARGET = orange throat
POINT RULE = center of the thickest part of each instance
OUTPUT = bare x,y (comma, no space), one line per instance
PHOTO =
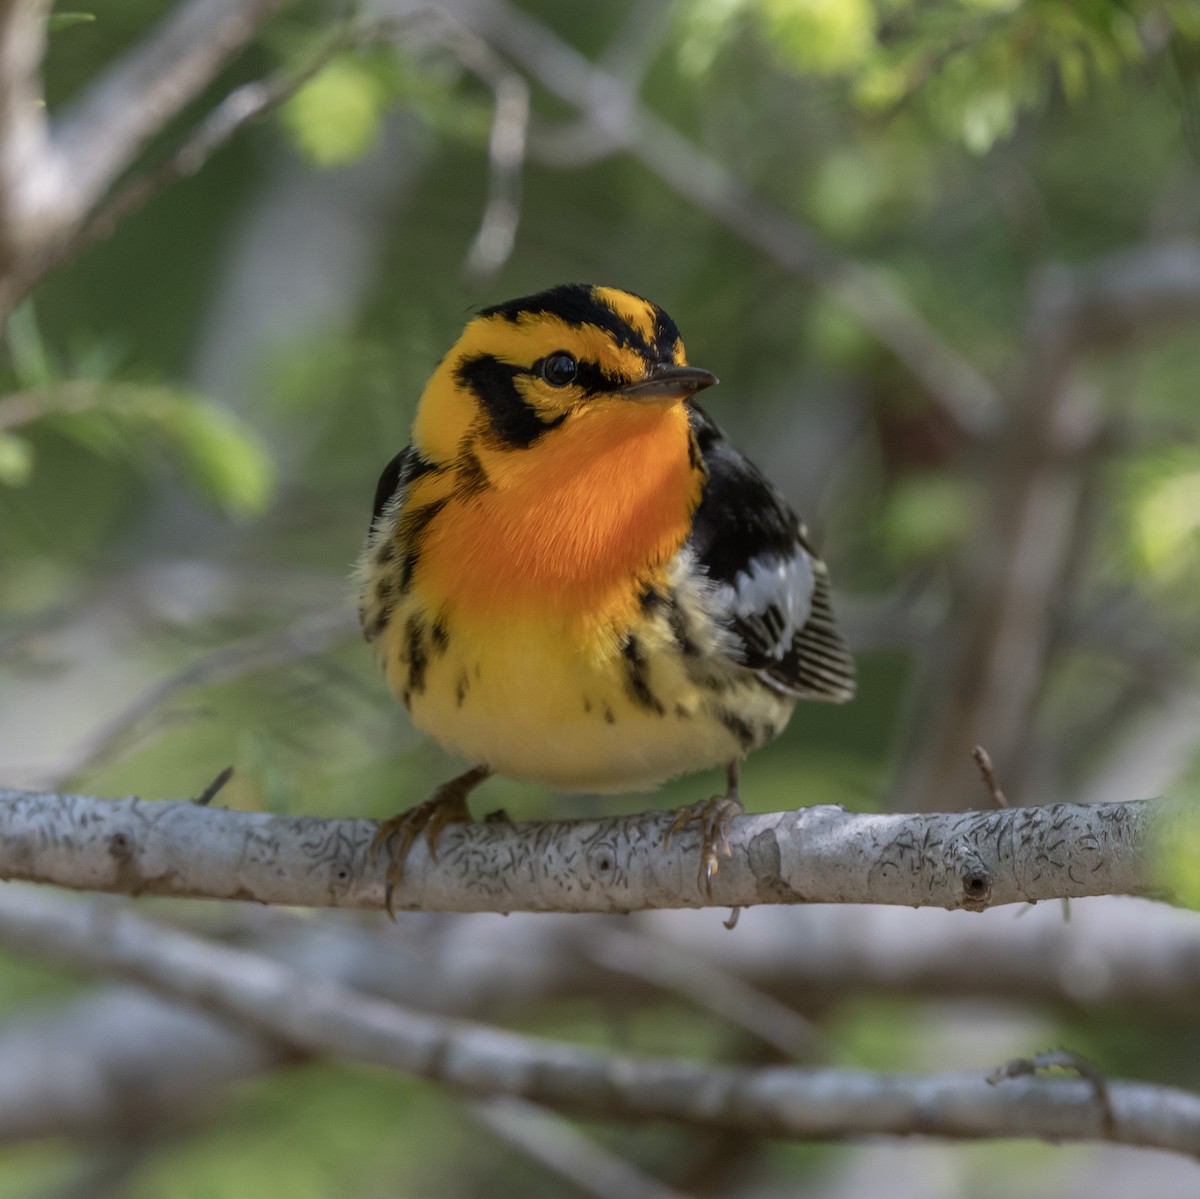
575,525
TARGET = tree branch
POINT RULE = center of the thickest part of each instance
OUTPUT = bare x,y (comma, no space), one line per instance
26,163
312,1016
119,1058
970,860
493,243
245,104
102,134
1129,295
51,178
1016,579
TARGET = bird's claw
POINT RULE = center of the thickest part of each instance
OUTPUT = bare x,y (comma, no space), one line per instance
447,805
715,817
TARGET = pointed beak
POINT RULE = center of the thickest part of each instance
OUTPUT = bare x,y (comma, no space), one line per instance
670,383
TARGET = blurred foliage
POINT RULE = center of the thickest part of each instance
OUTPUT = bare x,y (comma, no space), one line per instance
1180,859
176,377
65,20
216,452
1165,515
971,67
336,116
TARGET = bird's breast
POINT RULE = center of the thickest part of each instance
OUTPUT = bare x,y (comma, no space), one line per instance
571,525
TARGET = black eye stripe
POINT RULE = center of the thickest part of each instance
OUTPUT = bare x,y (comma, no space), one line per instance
591,379
513,421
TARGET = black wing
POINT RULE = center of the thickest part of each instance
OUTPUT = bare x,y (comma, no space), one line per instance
397,475
775,589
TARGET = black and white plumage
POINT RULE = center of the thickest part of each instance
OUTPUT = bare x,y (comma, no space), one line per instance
772,586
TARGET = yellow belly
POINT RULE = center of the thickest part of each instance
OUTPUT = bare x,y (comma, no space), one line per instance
555,705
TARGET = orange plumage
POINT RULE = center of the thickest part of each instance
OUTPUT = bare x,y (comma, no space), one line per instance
572,529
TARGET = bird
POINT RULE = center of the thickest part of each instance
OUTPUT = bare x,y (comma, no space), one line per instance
573,578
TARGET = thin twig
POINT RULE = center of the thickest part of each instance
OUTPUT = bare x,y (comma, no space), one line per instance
214,788
136,1060
628,56
989,776
710,988
1062,1059
103,132
313,635
118,1057
245,104
493,244
21,408
50,180
1023,565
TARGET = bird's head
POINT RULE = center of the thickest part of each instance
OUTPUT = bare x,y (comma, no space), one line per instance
571,355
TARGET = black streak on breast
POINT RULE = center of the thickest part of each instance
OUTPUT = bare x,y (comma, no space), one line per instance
636,681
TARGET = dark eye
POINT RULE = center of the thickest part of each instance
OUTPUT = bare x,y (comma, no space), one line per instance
558,369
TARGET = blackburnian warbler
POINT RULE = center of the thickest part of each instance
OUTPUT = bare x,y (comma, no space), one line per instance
573,578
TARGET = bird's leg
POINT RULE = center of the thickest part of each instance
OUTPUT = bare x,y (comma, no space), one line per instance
447,805
715,816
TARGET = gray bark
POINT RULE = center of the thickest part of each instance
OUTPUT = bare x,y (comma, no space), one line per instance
970,860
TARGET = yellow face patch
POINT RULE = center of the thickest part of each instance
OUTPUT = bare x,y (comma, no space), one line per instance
493,384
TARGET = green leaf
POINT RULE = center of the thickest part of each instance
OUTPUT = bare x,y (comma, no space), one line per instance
27,352
65,20
220,455
335,118
821,36
16,460
706,25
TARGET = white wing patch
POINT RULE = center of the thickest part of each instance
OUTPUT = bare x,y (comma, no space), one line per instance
773,597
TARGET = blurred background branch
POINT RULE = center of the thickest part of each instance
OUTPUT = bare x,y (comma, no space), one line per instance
59,174
121,1055
312,1016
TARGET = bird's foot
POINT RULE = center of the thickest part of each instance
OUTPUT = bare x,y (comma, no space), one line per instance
447,805
715,817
